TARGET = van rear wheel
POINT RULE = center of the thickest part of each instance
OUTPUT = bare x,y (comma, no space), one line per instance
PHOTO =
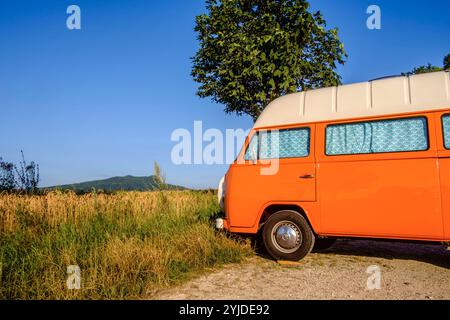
287,236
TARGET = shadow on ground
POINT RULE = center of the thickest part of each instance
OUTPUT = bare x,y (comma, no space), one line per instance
429,253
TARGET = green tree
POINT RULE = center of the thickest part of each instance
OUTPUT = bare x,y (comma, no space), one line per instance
28,175
7,178
447,62
430,68
423,69
253,51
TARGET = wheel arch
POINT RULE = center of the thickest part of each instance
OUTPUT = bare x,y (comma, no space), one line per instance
273,208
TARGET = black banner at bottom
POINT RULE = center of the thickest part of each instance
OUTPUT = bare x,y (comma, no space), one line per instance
217,309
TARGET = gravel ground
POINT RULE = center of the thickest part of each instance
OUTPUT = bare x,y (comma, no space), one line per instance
408,271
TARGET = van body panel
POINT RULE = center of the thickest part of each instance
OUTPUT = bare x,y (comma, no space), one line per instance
381,198
284,187
310,210
444,167
380,195
294,182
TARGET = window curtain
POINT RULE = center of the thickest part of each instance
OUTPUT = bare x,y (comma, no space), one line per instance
377,137
285,144
446,125
252,150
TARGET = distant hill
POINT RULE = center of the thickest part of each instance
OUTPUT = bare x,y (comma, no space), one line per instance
127,183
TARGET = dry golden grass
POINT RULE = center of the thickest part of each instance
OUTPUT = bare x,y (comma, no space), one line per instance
126,244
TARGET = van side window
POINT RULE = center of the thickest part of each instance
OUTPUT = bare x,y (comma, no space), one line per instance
282,144
396,135
252,150
446,128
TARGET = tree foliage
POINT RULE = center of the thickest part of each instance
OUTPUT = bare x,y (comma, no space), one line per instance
24,177
253,51
447,62
7,178
424,69
28,175
430,68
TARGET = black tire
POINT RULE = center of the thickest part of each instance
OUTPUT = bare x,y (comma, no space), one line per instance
282,230
323,244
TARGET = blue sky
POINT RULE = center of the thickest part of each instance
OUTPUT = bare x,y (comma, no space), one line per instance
103,101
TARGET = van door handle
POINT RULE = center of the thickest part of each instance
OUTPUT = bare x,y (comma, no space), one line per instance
307,176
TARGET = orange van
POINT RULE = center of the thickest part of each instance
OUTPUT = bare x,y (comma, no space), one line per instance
365,160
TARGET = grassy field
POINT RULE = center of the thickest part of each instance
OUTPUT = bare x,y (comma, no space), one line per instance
126,244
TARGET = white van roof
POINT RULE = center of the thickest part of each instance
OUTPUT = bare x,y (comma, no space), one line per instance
423,92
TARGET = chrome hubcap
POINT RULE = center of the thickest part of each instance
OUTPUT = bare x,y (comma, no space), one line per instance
286,237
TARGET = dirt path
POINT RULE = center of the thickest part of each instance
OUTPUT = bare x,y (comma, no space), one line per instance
408,271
